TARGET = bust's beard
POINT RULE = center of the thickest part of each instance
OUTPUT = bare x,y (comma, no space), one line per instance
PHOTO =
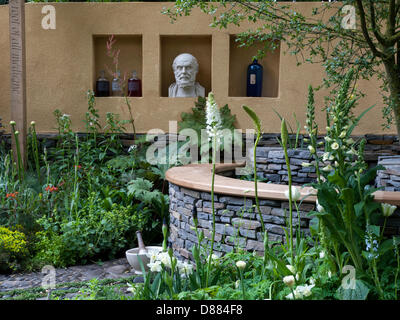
185,83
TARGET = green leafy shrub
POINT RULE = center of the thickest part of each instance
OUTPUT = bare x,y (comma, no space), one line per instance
13,248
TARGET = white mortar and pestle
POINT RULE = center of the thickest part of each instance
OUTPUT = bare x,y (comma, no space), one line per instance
135,255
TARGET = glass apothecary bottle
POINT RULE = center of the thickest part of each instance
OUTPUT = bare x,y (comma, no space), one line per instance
134,86
254,79
102,86
116,86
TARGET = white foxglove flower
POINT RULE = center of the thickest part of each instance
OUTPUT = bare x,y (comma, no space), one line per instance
306,164
387,209
213,117
336,164
312,150
327,168
295,194
289,280
335,146
322,255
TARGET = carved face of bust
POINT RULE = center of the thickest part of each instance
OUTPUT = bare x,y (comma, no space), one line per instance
185,68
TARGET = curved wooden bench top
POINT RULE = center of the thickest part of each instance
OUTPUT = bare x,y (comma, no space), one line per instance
198,177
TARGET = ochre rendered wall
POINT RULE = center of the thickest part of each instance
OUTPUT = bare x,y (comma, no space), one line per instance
61,68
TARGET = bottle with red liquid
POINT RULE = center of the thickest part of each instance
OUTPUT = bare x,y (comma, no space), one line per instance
134,86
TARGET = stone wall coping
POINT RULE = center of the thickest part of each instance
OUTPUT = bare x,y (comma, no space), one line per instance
199,177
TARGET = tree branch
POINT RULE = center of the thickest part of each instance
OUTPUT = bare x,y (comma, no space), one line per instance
364,29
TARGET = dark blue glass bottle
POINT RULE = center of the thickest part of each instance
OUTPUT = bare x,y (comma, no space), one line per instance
254,79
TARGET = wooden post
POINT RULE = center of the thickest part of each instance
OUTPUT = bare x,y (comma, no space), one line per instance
18,74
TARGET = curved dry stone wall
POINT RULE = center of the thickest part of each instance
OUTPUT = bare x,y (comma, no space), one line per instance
237,223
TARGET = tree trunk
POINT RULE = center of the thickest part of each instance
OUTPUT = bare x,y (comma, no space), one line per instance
393,78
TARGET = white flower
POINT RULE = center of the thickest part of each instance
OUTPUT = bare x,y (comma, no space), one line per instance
131,288
12,123
311,148
312,281
237,283
335,146
306,164
291,268
152,255
295,194
325,156
329,274
290,296
328,139
185,268
241,264
342,134
155,266
349,141
304,290
214,259
213,116
165,259
319,207
33,123
289,280
321,254
327,168
387,209
336,164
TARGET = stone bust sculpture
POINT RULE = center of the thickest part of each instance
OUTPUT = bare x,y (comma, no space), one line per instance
185,68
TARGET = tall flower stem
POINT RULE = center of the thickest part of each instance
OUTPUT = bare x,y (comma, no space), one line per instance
20,165
257,124
35,149
212,209
284,137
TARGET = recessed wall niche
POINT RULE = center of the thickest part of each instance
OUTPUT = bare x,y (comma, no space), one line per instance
239,60
198,46
130,56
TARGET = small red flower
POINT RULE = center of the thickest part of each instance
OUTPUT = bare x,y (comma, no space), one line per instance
51,189
12,195
78,166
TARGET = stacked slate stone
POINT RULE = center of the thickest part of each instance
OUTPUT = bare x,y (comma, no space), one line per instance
377,145
237,221
271,165
389,179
